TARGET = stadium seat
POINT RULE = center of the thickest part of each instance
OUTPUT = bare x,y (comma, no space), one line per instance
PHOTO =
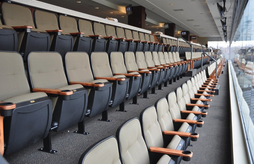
138,41
46,74
166,68
101,70
111,43
104,151
133,148
118,68
151,65
154,136
132,66
183,100
144,41
61,41
181,116
29,39
140,60
69,25
171,68
119,36
8,38
130,40
78,71
25,116
167,125
89,37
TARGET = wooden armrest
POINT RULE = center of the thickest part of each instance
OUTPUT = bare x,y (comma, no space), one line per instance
120,39
112,78
196,99
213,86
194,112
129,40
51,31
189,121
137,40
7,106
88,84
206,91
182,134
205,88
170,152
141,71
143,41
127,74
22,27
77,33
95,36
53,91
108,37
198,94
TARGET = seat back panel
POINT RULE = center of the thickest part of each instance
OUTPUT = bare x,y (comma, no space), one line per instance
86,27
132,146
68,24
117,62
53,70
78,67
12,75
100,64
45,20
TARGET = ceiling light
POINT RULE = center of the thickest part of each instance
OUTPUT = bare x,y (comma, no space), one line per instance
111,12
78,1
122,16
97,8
171,4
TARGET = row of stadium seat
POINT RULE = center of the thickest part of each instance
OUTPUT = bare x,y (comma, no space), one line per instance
163,132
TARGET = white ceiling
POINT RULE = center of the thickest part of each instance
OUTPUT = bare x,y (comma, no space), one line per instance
200,17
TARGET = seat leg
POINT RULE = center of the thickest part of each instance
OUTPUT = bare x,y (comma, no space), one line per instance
153,90
135,100
104,116
81,128
122,107
170,81
145,94
47,145
160,87
165,84
174,79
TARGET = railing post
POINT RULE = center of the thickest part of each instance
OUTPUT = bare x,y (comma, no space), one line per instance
191,54
178,45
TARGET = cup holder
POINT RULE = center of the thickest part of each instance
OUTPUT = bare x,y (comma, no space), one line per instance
65,90
199,125
186,152
194,134
204,114
6,103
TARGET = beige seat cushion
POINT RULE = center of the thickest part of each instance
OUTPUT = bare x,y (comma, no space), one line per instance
13,81
100,64
46,70
110,31
164,159
86,27
78,67
140,59
105,152
149,59
46,20
128,34
99,29
117,62
120,32
130,62
132,145
26,97
68,24
17,15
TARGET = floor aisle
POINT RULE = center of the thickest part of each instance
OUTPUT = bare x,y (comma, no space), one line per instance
213,145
